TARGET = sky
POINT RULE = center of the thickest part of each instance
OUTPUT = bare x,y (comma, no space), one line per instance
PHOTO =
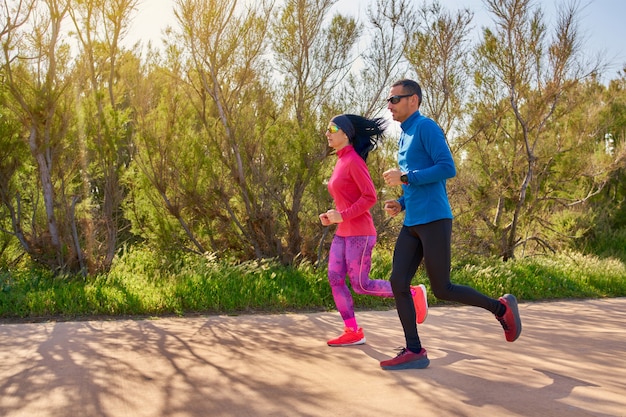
601,21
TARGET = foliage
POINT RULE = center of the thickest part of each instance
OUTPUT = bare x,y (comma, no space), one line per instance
78,138
214,143
565,275
533,154
145,283
437,53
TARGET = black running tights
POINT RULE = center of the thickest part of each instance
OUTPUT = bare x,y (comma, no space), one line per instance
429,243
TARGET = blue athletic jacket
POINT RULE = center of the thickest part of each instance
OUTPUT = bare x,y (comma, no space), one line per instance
424,154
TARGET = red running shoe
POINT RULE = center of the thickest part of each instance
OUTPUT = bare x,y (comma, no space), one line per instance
420,299
510,321
407,360
348,338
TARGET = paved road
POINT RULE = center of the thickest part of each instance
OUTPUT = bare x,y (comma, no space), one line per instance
569,361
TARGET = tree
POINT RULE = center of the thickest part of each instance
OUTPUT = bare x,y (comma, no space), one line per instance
522,148
78,129
311,60
37,76
13,161
606,236
384,39
437,53
104,133
387,32
172,203
206,165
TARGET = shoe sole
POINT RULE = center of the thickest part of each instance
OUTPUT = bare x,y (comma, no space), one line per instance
512,304
419,364
360,342
417,317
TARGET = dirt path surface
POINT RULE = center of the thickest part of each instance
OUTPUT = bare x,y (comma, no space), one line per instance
569,361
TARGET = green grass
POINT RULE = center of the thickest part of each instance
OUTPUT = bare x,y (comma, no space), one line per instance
144,284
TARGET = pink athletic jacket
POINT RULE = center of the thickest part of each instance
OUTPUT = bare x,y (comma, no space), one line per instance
354,194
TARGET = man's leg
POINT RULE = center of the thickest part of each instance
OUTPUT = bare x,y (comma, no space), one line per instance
407,256
436,239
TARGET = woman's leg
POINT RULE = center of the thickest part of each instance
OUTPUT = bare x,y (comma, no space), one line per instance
359,262
337,270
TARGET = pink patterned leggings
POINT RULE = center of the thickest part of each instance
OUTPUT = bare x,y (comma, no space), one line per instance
352,256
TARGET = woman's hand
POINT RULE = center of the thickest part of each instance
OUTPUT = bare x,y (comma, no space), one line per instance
334,216
324,219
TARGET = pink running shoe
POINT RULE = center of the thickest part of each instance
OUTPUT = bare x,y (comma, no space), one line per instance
511,322
348,338
420,299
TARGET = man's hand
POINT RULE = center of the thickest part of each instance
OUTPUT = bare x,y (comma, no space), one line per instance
392,207
392,177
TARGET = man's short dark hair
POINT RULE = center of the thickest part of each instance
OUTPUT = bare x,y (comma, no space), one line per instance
410,87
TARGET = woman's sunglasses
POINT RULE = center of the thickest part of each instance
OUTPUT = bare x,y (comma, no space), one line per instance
333,129
396,99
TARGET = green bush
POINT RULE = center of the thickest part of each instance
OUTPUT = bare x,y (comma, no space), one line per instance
143,283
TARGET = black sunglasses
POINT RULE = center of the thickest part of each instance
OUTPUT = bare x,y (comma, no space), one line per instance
396,99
